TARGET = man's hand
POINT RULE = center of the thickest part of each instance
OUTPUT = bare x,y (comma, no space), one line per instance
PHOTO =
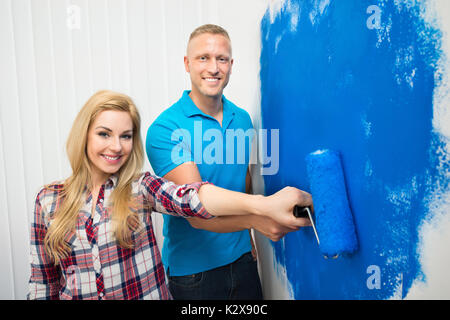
264,225
269,228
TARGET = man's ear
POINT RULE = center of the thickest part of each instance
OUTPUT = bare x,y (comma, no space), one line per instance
186,63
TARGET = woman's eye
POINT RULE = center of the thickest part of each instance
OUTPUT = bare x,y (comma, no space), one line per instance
127,136
103,134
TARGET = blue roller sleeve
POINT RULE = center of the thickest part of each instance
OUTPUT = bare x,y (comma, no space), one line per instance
334,220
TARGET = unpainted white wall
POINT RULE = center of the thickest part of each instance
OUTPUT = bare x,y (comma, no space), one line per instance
56,53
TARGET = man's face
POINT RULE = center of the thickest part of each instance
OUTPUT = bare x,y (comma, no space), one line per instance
209,63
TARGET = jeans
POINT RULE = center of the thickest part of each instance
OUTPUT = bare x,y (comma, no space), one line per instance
238,280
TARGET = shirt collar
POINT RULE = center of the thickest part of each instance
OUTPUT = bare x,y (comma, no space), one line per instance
112,181
190,109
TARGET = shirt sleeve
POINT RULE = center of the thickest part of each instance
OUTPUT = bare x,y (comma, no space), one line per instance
167,146
45,277
177,200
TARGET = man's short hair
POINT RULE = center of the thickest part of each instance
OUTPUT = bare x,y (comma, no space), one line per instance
209,28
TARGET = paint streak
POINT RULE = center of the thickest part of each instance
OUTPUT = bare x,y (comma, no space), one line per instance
368,93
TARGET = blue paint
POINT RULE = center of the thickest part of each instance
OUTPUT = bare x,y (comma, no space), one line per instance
329,81
333,216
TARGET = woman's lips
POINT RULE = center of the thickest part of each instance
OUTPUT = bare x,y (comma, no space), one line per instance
111,159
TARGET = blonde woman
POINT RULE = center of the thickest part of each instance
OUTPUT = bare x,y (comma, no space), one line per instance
92,235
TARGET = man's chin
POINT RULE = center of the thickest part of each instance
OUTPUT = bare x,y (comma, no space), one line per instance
213,93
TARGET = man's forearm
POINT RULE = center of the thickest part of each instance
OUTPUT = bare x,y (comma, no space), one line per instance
223,224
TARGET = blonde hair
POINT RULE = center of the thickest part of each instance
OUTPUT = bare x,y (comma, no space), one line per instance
209,28
70,200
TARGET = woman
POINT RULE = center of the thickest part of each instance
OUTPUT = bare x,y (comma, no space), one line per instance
92,235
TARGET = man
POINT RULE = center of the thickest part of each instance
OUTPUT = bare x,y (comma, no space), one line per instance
190,142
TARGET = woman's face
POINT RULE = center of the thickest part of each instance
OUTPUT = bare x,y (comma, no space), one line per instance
109,143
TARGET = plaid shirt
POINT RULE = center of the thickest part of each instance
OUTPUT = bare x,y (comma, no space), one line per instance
97,267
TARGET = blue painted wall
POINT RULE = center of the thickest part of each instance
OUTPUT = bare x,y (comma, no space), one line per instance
333,76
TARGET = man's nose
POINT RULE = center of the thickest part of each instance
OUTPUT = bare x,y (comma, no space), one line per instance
213,66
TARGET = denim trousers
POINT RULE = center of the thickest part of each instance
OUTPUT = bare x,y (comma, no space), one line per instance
238,280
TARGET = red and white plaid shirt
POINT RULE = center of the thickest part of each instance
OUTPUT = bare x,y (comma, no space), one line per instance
97,267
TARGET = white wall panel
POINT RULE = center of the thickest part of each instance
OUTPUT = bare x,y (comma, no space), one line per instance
101,48
81,51
120,62
137,53
27,95
156,42
56,53
44,54
61,68
12,142
175,47
6,264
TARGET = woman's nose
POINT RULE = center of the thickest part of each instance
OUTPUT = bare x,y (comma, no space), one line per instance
116,145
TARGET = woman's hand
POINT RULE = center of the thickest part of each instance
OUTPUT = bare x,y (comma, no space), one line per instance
280,207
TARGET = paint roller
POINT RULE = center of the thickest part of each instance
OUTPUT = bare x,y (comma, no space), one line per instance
333,218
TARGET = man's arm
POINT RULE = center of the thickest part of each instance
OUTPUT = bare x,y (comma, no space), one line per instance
184,173
188,173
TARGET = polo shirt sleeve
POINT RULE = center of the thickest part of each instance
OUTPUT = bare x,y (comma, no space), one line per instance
167,146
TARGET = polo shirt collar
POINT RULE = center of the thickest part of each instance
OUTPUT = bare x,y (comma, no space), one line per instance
190,109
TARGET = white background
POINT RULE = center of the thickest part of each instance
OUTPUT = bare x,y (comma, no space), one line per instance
51,62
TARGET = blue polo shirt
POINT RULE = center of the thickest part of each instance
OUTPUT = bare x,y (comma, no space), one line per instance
184,133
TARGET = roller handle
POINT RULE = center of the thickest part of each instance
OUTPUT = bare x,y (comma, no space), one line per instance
301,212
305,212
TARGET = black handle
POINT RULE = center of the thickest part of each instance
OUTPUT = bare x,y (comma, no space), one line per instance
301,212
